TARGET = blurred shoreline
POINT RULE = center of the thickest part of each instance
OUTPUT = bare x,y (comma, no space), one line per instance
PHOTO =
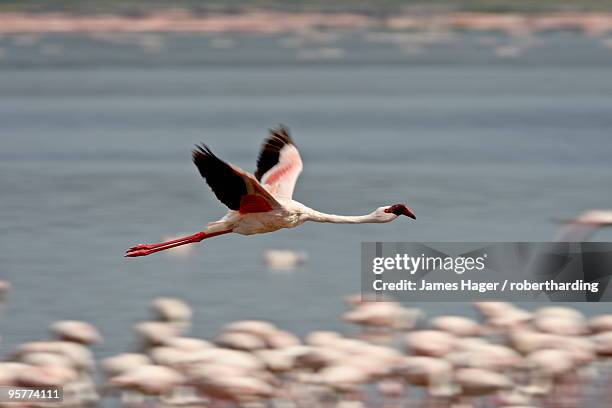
273,22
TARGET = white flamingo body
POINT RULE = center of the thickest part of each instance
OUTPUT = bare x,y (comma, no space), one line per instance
262,202
288,216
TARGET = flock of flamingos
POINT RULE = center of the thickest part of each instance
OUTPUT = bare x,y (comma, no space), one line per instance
510,357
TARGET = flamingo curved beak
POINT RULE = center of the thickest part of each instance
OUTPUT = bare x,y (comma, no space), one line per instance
401,209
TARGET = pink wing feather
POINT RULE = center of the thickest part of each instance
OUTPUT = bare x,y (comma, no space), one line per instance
279,164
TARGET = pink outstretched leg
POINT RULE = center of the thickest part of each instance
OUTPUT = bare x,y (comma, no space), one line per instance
147,249
161,244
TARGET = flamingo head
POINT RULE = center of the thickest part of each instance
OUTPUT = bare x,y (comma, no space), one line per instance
399,209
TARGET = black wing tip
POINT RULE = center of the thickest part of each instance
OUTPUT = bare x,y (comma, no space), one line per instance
201,151
227,185
282,132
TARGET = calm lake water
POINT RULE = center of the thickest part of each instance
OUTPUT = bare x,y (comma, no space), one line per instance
487,138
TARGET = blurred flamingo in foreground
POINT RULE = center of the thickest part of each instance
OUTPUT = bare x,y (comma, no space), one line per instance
586,224
262,203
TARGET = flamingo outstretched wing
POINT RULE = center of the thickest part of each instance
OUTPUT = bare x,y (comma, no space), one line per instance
279,164
234,187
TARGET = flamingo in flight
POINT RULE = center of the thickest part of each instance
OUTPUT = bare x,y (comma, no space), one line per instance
262,202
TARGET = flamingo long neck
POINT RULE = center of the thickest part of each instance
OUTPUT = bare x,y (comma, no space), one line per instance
318,216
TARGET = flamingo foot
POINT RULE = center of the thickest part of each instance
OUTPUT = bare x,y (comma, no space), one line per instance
132,253
147,249
143,246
